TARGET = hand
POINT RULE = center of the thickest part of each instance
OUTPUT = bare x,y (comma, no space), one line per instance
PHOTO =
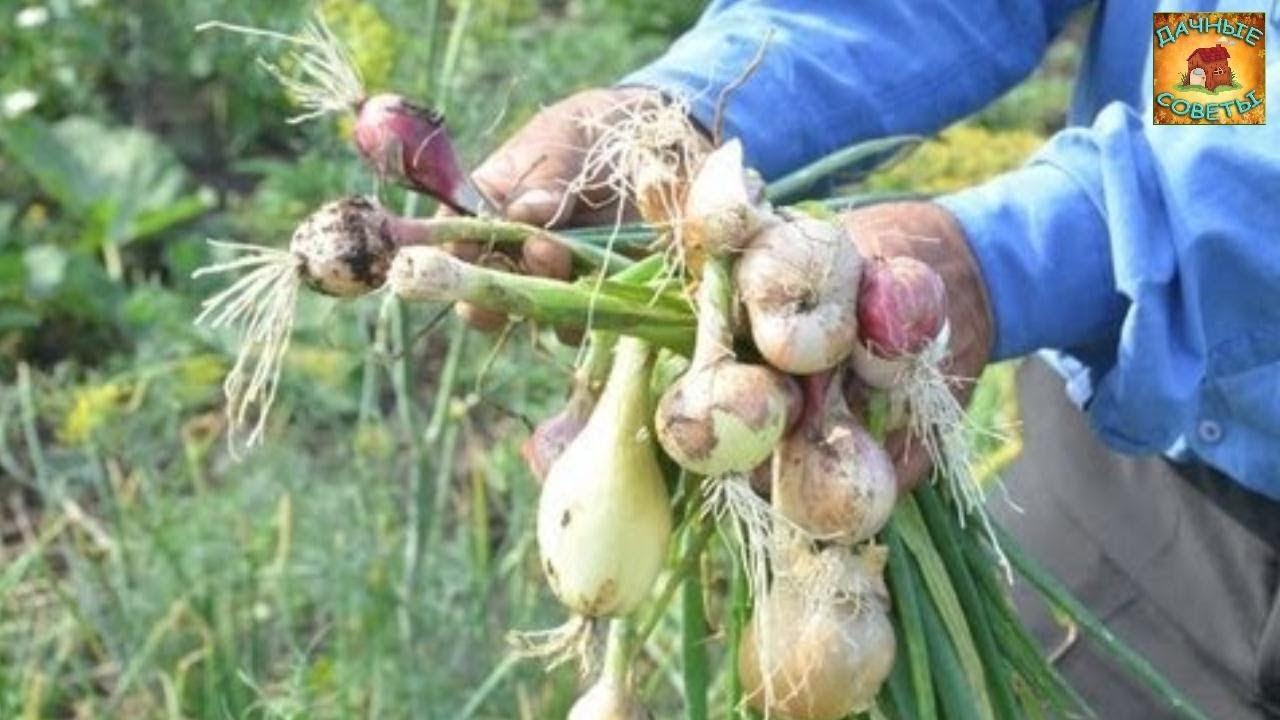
528,179
929,233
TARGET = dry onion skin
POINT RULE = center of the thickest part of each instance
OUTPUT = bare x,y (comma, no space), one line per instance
828,644
725,206
833,481
799,282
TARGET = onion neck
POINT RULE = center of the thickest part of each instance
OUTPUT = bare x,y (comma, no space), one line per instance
616,654
715,298
625,400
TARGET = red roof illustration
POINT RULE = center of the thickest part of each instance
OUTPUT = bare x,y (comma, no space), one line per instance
1210,54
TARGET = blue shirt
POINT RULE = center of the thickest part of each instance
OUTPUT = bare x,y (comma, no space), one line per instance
1149,256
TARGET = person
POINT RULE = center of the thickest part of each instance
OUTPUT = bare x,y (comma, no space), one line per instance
1141,261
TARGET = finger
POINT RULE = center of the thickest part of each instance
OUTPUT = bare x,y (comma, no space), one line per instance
910,461
479,318
546,257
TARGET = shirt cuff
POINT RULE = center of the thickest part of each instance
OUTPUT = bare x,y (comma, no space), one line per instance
1042,247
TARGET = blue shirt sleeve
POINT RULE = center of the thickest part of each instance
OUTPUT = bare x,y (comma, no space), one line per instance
838,72
1151,255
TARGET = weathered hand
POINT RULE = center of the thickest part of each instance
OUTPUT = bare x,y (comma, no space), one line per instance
528,179
929,233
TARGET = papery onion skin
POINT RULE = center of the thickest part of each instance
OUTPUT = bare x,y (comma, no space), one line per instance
725,205
549,439
824,662
604,516
799,281
834,481
344,247
606,701
722,416
725,417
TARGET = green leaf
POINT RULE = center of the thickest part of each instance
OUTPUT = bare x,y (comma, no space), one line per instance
948,540
122,183
906,599
46,267
915,534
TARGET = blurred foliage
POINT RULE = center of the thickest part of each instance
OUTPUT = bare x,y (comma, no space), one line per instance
957,156
143,572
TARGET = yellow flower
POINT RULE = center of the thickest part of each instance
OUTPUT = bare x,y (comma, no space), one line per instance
91,408
370,38
964,155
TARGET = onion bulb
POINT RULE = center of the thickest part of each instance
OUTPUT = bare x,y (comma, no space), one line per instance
833,480
344,248
902,310
722,415
821,644
725,205
606,700
604,517
799,282
410,145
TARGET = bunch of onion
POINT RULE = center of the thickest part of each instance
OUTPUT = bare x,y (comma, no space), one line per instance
352,247
836,644
401,141
903,337
723,417
606,492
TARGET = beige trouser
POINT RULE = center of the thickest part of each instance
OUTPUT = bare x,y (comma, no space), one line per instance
1179,561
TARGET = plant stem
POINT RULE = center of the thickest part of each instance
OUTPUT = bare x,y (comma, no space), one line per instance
948,540
739,615
617,653
410,231
693,632
401,379
431,274
688,563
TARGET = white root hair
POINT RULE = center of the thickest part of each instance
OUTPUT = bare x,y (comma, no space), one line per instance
939,422
320,75
261,306
577,641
